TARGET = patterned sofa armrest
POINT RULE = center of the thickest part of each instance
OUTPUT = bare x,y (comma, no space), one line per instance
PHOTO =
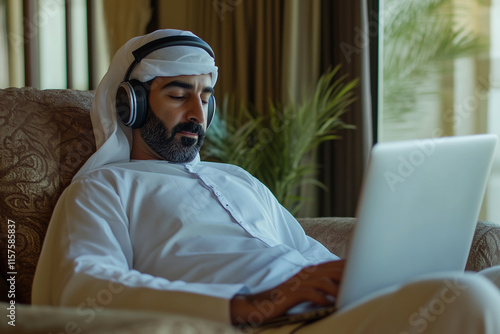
335,233
46,135
485,250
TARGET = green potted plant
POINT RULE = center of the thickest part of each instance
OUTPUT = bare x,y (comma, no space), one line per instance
272,147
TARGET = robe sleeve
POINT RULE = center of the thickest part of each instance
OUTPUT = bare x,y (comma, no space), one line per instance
87,262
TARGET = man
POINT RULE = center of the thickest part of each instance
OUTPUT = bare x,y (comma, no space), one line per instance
146,225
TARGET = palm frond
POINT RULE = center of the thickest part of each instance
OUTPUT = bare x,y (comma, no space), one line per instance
420,39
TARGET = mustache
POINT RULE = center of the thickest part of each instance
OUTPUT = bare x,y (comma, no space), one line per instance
188,127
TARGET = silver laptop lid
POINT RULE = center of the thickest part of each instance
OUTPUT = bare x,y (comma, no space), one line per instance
417,211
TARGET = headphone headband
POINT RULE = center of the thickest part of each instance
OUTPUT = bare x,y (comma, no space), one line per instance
164,42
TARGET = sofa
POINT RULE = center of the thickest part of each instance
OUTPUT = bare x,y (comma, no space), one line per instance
45,137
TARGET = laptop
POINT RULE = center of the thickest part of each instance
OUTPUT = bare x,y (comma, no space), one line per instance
416,216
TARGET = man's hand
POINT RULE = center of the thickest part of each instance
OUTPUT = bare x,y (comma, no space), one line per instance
316,284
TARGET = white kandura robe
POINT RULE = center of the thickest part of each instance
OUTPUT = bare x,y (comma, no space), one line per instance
170,237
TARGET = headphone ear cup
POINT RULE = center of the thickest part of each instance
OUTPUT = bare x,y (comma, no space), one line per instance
211,110
132,103
141,98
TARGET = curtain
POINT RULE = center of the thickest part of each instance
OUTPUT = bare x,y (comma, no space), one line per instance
300,67
12,43
4,56
125,19
300,70
246,38
345,41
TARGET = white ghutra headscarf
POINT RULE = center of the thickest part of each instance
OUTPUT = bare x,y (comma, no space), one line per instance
113,139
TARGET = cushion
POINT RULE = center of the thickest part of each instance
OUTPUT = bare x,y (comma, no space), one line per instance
47,319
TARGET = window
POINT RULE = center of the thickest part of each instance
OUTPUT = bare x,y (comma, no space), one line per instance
440,74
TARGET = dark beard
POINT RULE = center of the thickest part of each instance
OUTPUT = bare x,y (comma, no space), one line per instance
166,145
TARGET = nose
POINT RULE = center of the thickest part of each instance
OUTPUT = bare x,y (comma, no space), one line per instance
196,111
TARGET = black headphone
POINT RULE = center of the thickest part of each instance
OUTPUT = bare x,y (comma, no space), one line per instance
132,96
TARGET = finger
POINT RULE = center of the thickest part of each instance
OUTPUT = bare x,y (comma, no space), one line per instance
305,279
314,295
323,284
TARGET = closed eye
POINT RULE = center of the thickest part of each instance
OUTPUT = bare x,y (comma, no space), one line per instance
176,97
